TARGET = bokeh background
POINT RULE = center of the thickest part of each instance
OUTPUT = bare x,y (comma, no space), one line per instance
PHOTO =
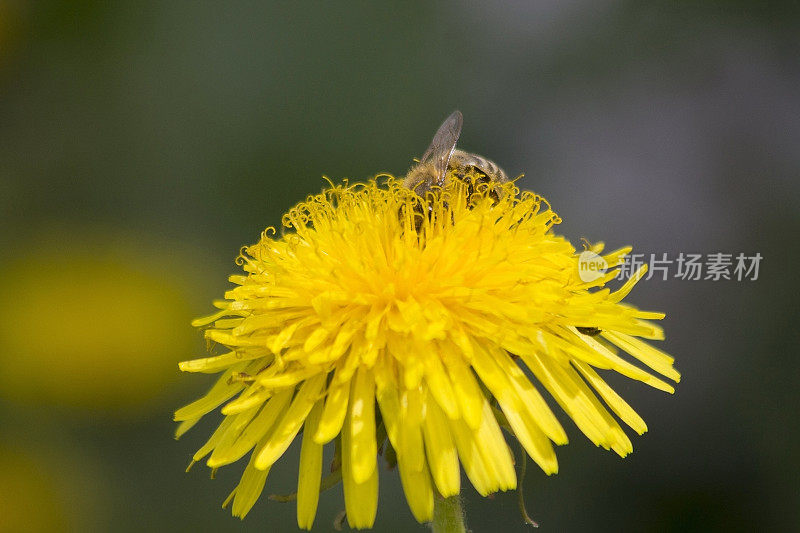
141,144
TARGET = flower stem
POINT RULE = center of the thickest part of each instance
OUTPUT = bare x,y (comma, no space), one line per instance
448,517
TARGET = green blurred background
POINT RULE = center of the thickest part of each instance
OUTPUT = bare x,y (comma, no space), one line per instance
141,144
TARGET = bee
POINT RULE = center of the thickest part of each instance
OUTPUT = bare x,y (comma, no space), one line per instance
442,156
592,332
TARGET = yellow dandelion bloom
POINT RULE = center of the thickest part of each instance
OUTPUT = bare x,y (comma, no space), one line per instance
419,329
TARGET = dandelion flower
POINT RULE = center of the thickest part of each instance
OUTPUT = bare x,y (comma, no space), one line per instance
418,337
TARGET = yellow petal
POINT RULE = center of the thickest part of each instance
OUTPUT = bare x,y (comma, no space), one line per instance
240,421
185,426
335,410
360,499
614,437
441,450
213,439
206,320
466,390
317,337
249,489
253,396
255,431
418,489
287,378
290,424
439,385
530,398
409,428
363,448
310,473
211,364
222,391
617,404
389,402
578,401
617,363
474,464
498,458
525,428
652,357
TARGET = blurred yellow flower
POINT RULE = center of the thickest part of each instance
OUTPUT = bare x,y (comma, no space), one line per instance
89,328
29,497
49,484
439,310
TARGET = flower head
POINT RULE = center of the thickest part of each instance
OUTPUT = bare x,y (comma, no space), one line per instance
416,328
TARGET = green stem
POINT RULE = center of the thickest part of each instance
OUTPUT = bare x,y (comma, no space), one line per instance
448,517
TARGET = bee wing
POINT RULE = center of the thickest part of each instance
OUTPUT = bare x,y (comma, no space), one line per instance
443,145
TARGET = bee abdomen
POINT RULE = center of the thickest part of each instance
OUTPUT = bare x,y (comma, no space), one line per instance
463,160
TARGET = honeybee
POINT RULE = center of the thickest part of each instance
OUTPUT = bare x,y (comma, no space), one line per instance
441,156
